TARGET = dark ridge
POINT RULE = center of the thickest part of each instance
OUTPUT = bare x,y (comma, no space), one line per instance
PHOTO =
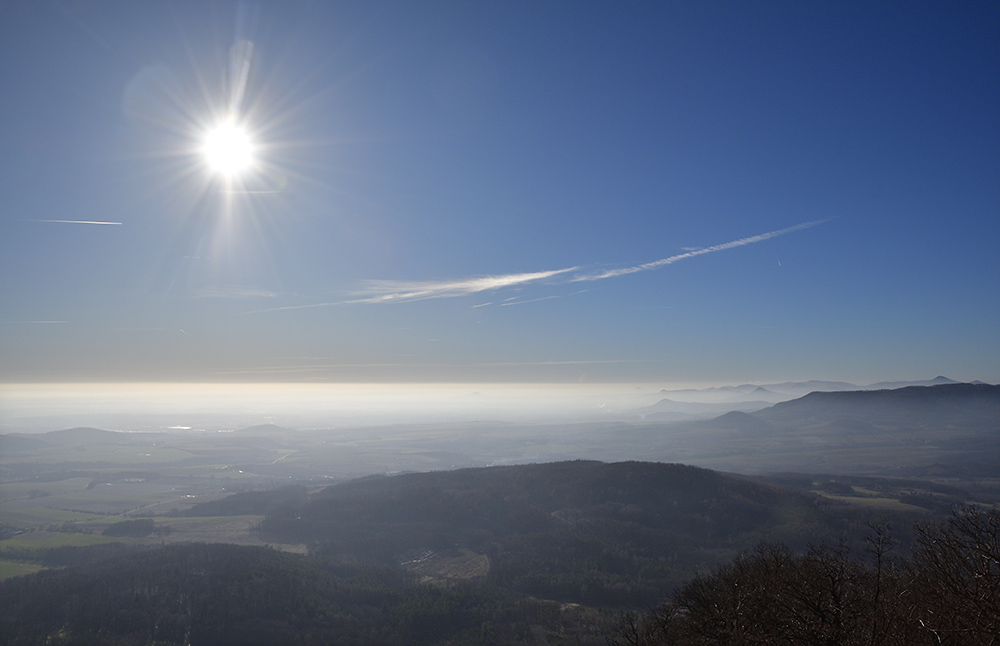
251,502
579,532
947,403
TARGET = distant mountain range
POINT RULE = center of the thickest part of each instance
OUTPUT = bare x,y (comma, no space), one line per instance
703,403
80,435
889,431
934,406
915,430
788,389
668,409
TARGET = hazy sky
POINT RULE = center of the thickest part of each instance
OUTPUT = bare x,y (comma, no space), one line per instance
501,191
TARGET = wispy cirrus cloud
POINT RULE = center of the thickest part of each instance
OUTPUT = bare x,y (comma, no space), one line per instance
74,221
403,291
392,291
516,301
398,291
691,253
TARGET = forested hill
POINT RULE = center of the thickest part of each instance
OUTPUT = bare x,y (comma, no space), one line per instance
585,532
68,437
917,431
516,554
542,498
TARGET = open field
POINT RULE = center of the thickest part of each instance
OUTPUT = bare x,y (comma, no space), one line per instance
238,530
9,568
34,489
104,499
30,517
874,502
434,567
43,540
133,456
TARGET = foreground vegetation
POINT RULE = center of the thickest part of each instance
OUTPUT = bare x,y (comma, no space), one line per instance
947,592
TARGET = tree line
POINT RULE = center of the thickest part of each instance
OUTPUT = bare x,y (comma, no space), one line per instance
947,592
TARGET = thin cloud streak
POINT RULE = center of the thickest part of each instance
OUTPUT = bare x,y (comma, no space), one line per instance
511,301
581,362
72,221
402,291
388,291
656,264
399,291
530,300
393,291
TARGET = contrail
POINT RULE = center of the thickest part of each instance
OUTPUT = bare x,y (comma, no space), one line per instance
399,291
512,301
72,221
395,291
656,264
390,291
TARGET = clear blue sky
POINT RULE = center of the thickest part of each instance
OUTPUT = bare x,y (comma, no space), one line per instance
405,150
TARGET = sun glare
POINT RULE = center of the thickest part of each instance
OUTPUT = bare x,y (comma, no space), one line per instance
228,149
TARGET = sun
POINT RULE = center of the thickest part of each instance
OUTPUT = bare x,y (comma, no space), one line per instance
228,148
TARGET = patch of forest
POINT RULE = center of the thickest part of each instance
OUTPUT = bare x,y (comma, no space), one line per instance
584,532
533,553
946,589
229,594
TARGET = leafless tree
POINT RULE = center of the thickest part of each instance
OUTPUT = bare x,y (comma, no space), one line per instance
955,572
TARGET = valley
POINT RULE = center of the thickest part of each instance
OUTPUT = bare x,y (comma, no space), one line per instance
496,515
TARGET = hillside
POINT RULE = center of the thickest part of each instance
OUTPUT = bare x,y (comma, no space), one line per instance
583,532
519,554
948,429
973,406
67,437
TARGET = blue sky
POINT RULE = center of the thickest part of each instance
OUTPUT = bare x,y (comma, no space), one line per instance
406,151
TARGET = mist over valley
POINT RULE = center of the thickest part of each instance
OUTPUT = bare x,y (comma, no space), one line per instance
601,515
